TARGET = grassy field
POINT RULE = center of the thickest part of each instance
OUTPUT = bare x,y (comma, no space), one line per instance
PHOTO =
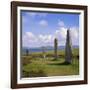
35,65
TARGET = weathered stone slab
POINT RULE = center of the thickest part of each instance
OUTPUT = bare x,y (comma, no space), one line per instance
55,47
68,49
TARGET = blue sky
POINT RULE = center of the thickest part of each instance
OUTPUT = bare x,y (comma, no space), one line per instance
40,28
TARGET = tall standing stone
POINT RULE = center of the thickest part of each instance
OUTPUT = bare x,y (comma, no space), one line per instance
27,52
55,47
44,53
68,50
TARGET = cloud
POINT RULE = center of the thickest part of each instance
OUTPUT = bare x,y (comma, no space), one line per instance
33,14
43,23
46,38
61,34
28,39
30,36
32,40
74,34
42,14
61,23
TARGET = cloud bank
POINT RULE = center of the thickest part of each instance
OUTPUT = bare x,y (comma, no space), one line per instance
29,39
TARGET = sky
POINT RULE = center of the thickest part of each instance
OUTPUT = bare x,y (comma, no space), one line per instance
41,28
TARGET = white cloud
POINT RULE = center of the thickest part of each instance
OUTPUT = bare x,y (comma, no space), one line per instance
61,23
33,14
46,38
74,33
43,23
31,40
42,14
30,36
61,32
28,39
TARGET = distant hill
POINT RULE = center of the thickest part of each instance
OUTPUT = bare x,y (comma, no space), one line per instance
47,48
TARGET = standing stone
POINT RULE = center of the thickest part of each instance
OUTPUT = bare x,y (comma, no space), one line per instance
27,52
44,53
55,47
68,50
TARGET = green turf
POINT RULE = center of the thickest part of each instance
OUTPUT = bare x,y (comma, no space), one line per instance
35,65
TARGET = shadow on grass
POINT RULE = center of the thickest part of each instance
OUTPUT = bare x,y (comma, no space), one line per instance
32,73
54,59
63,63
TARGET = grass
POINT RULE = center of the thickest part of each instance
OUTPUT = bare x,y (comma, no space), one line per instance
34,65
